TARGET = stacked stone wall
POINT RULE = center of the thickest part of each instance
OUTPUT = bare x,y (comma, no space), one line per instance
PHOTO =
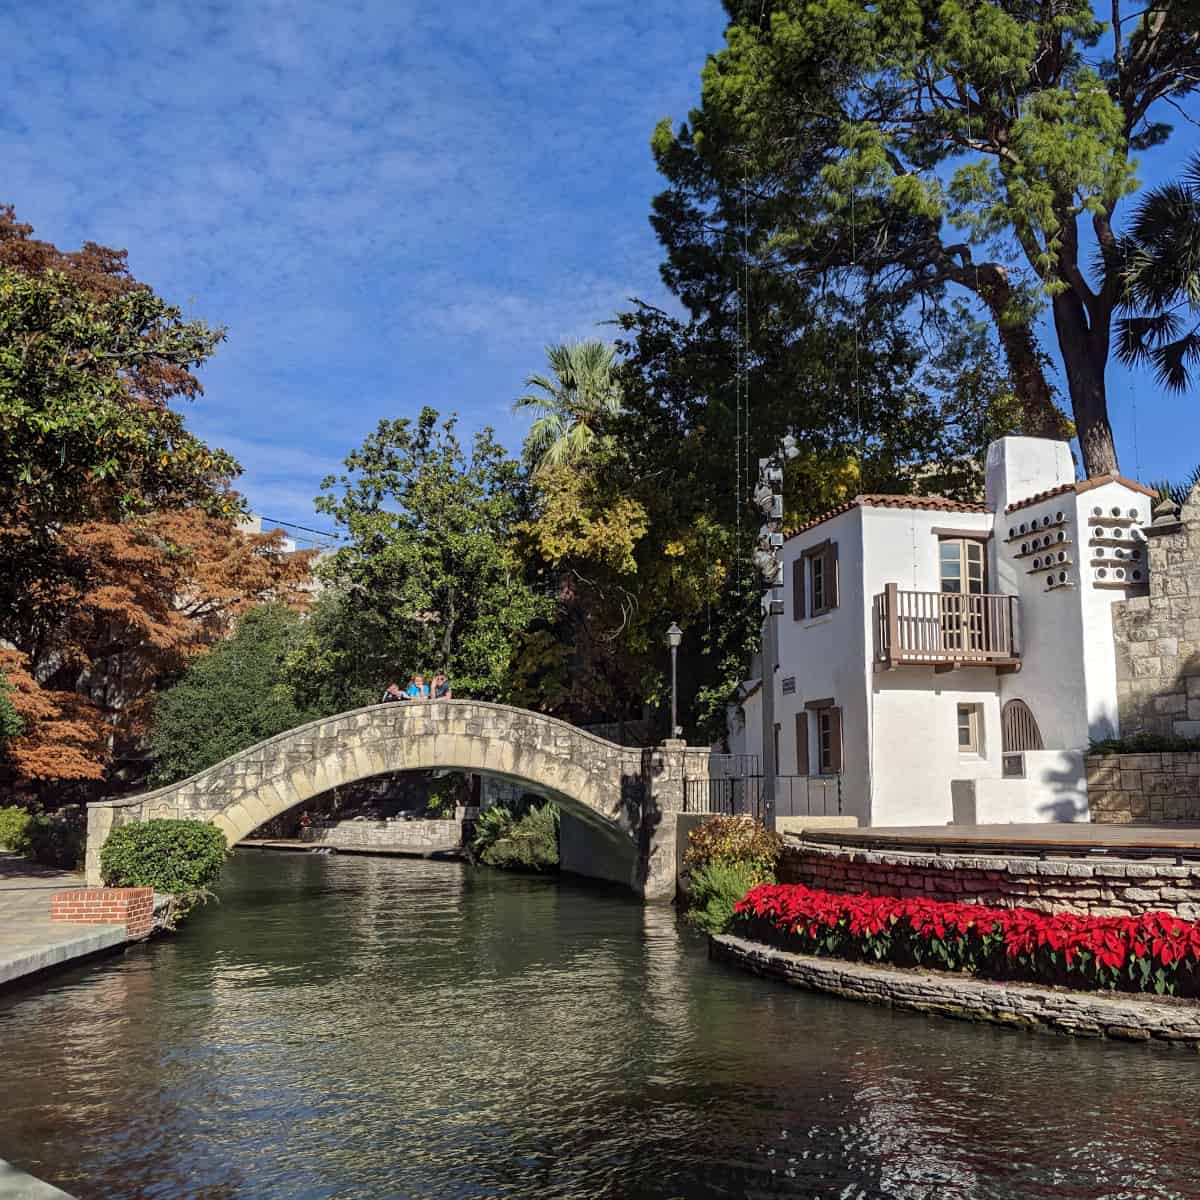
1125,789
1102,887
398,836
1158,636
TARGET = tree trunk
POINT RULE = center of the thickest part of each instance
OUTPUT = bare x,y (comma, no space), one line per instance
1040,417
1085,379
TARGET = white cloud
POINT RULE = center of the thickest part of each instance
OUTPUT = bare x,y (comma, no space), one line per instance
387,204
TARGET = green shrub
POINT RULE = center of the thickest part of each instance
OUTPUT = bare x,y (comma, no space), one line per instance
716,887
58,839
179,857
526,843
1145,743
492,824
730,840
14,829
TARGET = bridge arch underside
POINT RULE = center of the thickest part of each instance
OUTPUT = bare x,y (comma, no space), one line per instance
600,834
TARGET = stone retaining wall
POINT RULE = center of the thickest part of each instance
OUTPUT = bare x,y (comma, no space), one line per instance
1157,636
1125,789
397,836
1101,886
131,907
1018,1005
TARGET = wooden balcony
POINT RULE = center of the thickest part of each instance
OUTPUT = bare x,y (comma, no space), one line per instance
945,630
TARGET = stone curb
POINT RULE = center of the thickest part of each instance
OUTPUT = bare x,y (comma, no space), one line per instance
32,960
1023,1006
16,1185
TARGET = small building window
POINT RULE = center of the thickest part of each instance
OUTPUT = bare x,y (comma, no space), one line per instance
829,741
970,729
1018,728
822,592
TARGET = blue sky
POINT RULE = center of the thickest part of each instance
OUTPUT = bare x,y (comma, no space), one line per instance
387,205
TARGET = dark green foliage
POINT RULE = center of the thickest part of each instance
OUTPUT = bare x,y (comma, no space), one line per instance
14,829
526,843
1178,492
715,888
58,839
1145,743
427,576
53,839
11,724
1160,262
232,697
493,823
178,857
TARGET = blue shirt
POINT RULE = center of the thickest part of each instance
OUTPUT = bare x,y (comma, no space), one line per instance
417,693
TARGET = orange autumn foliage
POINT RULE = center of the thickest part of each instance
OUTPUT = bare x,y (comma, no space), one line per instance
65,734
141,598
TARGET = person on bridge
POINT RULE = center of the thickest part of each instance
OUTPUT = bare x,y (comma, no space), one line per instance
392,692
441,687
417,689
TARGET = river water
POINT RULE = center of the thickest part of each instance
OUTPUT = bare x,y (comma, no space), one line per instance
367,1028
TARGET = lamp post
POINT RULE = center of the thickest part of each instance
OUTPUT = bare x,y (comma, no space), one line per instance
674,637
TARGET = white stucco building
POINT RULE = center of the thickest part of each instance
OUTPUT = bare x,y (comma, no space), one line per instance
948,661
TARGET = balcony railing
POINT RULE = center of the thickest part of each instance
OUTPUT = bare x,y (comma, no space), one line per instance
946,629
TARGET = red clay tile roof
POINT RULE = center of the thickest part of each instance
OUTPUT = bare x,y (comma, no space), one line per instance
880,500
1086,486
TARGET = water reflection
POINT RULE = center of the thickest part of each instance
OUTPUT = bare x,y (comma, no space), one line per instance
354,1027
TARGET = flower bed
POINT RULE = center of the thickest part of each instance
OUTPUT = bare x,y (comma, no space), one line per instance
1153,952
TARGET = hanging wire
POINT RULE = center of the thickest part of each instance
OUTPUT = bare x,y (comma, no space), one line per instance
1137,458
857,383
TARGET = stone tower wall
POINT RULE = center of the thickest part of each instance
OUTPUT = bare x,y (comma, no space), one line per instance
1158,636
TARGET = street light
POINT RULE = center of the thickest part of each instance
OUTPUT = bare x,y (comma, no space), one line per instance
674,637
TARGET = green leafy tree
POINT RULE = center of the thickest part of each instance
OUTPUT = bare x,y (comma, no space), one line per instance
232,697
428,575
573,406
11,724
78,437
909,147
1160,253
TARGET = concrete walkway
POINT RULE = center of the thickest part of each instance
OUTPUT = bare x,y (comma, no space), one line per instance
16,1185
29,940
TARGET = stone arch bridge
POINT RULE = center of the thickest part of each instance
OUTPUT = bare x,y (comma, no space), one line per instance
626,799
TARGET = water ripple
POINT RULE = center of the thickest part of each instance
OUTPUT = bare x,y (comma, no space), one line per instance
366,1028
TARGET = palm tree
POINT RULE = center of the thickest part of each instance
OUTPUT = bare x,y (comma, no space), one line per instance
1161,270
571,406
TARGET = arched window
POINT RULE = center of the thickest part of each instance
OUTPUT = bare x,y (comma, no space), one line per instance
1020,730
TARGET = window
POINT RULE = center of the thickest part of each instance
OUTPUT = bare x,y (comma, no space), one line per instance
777,728
970,729
822,592
829,736
1018,727
963,566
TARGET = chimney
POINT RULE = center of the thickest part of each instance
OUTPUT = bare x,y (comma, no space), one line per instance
1020,467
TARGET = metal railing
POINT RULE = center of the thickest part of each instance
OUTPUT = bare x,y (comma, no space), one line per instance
795,796
945,627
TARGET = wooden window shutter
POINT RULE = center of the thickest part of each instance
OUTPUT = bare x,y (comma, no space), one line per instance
798,589
832,578
835,741
802,743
